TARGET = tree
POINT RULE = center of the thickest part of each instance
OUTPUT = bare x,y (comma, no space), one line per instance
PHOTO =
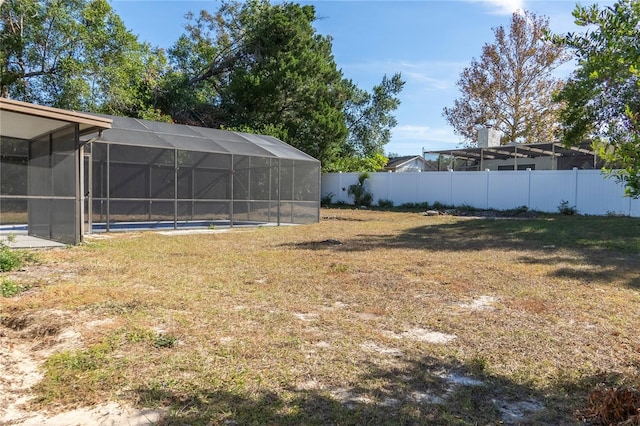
262,67
602,97
511,86
369,118
259,66
74,54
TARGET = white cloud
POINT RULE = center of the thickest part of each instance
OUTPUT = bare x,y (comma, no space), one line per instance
430,83
430,75
503,7
425,134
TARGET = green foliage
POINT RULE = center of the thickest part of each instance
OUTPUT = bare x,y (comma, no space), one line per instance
156,339
74,54
385,203
277,131
415,206
164,341
368,117
10,288
9,259
254,65
565,209
359,191
262,68
327,199
374,163
602,97
516,211
250,66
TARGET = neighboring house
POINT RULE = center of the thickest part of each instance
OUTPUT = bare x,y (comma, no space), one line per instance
491,155
410,163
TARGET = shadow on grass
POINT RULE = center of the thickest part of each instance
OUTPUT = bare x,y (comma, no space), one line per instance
612,244
426,391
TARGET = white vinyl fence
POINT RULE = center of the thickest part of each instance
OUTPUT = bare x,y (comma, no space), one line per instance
590,191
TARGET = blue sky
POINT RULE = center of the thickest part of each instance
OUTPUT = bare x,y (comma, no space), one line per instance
428,41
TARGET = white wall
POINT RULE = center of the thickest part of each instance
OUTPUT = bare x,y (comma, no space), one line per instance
589,191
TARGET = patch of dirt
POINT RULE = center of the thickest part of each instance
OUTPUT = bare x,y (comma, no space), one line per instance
27,340
306,317
481,303
100,415
514,412
423,335
372,347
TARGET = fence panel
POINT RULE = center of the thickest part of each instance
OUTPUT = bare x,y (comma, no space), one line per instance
589,191
469,189
381,187
600,196
508,189
434,187
550,187
404,187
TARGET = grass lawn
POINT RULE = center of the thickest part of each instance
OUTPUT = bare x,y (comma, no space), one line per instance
410,320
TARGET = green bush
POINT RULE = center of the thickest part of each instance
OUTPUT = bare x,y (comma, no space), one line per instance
359,191
565,209
9,288
385,203
327,199
9,259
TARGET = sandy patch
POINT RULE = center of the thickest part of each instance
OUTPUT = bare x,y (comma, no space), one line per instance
454,379
372,347
111,414
480,303
27,340
349,398
309,385
423,335
366,316
306,317
426,398
514,412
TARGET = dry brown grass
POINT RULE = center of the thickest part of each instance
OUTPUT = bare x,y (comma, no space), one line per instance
284,325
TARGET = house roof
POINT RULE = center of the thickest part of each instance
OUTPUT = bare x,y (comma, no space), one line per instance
22,120
138,132
396,162
503,152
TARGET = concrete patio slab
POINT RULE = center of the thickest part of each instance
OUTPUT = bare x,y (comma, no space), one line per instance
23,241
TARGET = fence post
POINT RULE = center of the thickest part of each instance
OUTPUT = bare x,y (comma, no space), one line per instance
487,188
575,195
451,187
529,193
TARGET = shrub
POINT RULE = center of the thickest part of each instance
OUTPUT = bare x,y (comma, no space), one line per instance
385,203
613,406
565,209
9,288
164,341
415,206
359,191
9,259
327,199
